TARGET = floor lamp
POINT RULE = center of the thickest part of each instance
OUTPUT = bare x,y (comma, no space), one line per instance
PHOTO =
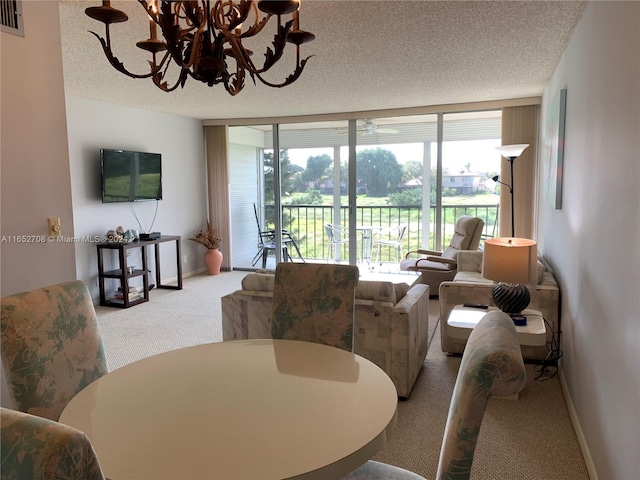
511,152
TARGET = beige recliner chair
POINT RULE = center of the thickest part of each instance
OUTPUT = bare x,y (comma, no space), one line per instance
438,267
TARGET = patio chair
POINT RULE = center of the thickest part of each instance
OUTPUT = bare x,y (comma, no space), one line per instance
492,365
267,243
437,267
36,447
314,303
51,347
389,237
337,237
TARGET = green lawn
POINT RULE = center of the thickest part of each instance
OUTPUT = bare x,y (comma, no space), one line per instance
306,223
366,201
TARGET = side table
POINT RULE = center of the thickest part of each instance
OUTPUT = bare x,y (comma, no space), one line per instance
124,273
463,320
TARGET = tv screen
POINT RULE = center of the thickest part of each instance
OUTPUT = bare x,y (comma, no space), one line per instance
130,176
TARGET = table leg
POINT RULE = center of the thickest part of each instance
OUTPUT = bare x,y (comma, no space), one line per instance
366,246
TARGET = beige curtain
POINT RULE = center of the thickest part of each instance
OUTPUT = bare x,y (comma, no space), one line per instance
217,153
519,125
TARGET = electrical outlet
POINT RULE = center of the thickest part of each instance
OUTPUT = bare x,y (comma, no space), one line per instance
54,227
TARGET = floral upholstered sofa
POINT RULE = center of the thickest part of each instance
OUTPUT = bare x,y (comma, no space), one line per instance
391,323
469,286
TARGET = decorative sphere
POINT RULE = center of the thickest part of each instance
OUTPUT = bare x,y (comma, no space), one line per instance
510,297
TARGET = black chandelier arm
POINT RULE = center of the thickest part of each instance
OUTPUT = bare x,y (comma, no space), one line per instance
193,15
115,62
226,16
235,83
246,6
279,44
256,28
290,79
271,56
149,9
195,51
240,55
159,82
175,37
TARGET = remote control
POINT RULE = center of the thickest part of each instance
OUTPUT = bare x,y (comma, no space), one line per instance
477,305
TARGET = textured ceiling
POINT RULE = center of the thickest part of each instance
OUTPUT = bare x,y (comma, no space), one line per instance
368,55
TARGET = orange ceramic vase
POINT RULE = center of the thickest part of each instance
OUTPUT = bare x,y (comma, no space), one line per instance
213,260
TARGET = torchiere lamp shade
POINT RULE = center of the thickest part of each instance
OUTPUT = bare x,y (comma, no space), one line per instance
513,263
512,151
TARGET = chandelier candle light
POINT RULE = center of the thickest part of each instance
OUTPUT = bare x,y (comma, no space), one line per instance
203,39
512,262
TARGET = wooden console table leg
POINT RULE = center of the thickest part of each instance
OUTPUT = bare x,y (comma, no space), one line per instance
179,263
145,268
158,277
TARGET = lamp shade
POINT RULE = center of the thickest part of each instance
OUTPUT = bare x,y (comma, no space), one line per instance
512,151
510,260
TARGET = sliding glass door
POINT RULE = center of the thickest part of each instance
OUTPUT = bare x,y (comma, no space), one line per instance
393,198
363,191
315,194
469,162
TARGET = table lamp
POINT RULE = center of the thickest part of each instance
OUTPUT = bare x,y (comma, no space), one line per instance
512,262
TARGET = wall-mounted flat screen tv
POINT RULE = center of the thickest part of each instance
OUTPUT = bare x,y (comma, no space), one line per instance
130,176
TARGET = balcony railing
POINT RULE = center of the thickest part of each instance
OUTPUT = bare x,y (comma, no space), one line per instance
306,225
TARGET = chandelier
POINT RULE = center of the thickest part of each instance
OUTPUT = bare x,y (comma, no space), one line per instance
203,39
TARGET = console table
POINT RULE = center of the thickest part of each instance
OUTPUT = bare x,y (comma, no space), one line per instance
125,274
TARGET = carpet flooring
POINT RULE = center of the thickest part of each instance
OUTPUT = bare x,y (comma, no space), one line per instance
529,438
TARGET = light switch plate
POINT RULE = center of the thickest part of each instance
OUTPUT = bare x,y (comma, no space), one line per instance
54,227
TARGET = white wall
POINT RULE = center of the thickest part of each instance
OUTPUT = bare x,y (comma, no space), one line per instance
93,125
35,162
592,242
51,169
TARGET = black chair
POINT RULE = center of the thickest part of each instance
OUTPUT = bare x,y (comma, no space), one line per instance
267,243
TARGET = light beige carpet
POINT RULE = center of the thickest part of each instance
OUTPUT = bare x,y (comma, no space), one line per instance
531,438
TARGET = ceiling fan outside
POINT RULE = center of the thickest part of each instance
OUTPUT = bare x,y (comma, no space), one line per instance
370,128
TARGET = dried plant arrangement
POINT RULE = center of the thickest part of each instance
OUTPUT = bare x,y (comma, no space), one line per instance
208,237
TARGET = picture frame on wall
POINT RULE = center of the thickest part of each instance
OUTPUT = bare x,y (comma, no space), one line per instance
553,154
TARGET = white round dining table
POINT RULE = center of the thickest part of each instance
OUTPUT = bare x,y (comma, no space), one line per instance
245,409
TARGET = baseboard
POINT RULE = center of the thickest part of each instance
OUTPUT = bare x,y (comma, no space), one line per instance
582,441
174,280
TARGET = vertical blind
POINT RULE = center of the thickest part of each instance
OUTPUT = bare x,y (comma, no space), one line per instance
520,125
